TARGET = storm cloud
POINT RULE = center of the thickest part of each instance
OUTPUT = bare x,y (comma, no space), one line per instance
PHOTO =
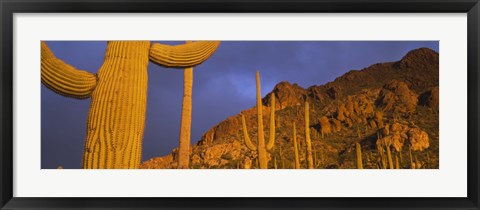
223,86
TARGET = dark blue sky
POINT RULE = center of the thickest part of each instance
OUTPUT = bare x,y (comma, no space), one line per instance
223,86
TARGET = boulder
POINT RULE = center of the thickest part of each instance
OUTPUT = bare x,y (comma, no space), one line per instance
397,97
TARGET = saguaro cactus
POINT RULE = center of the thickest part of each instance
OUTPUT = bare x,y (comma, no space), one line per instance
261,148
295,146
412,164
397,164
275,162
389,155
358,148
186,120
307,136
118,94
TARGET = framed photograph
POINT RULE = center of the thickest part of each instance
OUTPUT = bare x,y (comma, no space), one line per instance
239,105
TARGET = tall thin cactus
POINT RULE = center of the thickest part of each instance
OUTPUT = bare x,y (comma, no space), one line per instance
186,120
295,147
389,155
261,148
397,164
358,149
412,164
275,162
118,93
307,136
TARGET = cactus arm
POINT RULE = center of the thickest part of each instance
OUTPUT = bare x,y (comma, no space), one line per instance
65,79
271,140
249,143
184,55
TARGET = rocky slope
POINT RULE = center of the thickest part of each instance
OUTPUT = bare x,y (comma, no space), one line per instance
387,104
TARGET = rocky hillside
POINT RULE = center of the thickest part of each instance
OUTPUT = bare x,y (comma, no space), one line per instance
387,105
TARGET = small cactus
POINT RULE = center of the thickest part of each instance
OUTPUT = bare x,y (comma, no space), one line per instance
389,155
359,156
307,137
412,164
275,162
397,164
295,146
418,164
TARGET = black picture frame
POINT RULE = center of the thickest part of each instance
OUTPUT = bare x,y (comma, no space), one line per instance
10,7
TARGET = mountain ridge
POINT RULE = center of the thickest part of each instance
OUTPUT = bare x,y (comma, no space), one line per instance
396,89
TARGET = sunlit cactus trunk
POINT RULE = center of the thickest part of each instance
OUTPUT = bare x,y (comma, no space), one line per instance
118,92
262,152
117,112
186,120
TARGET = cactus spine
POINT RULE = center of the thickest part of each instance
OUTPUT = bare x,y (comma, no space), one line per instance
295,146
261,147
359,156
307,136
118,94
186,120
